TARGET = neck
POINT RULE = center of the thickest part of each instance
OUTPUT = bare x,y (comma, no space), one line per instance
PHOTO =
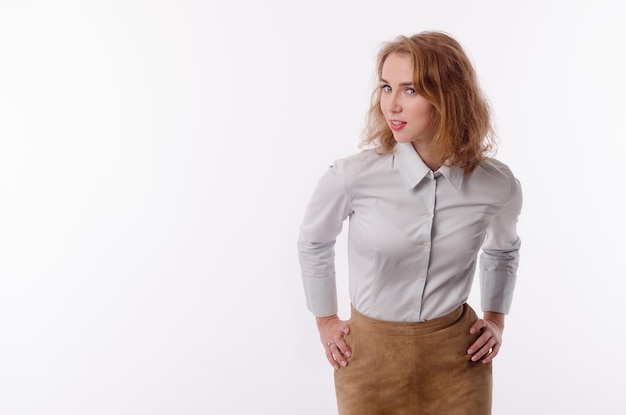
427,154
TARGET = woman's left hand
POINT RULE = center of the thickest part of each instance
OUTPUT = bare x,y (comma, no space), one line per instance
487,346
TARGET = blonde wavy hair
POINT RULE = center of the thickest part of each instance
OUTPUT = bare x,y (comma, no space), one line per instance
444,75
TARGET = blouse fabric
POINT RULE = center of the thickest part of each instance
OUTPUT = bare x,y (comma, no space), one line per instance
415,236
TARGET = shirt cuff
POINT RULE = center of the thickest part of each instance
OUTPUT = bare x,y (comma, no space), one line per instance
497,291
321,295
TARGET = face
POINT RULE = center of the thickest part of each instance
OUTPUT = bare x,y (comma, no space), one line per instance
408,114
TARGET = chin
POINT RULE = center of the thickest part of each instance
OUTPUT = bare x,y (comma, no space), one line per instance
402,139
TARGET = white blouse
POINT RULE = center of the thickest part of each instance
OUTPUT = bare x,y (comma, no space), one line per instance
414,236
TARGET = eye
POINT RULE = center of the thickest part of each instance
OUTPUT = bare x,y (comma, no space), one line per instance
410,91
385,88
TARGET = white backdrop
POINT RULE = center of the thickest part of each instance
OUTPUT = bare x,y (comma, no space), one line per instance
156,158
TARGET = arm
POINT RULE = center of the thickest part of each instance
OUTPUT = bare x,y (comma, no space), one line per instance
327,210
498,273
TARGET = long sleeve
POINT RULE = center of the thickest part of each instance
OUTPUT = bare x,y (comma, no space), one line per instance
500,256
323,220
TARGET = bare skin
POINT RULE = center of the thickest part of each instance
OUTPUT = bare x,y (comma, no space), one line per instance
332,330
484,349
488,344
427,154
401,104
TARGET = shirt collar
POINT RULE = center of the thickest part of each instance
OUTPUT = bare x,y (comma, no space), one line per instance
413,169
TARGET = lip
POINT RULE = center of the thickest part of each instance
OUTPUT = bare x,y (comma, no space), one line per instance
397,127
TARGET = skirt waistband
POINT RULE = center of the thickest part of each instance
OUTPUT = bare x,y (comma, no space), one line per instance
403,328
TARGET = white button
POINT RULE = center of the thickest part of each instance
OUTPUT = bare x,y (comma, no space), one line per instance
426,245
429,215
420,274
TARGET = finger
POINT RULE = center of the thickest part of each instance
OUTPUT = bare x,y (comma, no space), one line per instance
478,343
492,354
338,356
331,358
482,352
478,325
486,350
343,347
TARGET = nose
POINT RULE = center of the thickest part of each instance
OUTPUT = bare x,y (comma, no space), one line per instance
392,104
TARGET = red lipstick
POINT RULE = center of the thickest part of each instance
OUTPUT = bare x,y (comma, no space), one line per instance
396,125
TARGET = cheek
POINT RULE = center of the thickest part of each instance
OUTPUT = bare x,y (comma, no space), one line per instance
419,114
428,115
424,112
382,103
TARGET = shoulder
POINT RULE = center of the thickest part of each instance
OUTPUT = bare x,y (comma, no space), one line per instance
356,170
497,177
362,162
494,170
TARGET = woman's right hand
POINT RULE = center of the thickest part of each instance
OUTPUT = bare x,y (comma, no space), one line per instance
332,331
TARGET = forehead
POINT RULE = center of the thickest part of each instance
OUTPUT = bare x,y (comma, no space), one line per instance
397,67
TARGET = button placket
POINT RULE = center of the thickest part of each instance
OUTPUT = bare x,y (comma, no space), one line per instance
426,242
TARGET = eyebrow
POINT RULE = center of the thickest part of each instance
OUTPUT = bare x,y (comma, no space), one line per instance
402,84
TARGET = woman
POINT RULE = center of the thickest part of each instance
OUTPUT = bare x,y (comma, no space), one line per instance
422,199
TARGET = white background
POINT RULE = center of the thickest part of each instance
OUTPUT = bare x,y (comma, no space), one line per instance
156,158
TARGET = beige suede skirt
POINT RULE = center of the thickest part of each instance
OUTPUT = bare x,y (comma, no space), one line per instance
421,368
